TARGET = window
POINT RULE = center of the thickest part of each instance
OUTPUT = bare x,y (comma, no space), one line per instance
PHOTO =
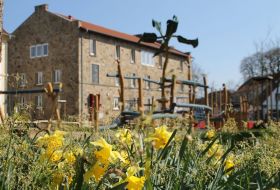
181,66
133,81
22,101
45,49
147,58
33,51
147,83
116,105
95,74
92,47
182,87
160,64
57,76
117,81
149,104
118,52
39,101
22,80
39,78
132,56
39,50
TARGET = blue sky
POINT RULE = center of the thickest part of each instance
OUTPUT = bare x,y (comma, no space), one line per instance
227,29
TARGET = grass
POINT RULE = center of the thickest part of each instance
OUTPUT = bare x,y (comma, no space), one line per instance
153,157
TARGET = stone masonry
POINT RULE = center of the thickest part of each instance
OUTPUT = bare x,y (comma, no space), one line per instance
69,51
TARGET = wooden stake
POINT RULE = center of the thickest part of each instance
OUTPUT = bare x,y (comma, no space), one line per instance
206,99
173,91
140,97
96,112
121,78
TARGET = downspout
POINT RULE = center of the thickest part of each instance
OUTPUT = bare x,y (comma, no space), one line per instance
82,77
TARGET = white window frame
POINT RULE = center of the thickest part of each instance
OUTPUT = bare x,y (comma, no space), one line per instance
39,79
98,77
116,103
22,80
35,49
39,101
117,81
92,47
22,101
57,76
39,47
132,56
133,81
147,58
147,83
45,45
118,52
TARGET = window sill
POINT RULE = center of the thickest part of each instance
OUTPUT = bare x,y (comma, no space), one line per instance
39,84
39,108
56,82
116,109
92,54
147,65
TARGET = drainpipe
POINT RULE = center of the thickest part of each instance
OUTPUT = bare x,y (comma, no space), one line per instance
82,77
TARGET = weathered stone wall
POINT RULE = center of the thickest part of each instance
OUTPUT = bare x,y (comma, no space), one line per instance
62,38
105,58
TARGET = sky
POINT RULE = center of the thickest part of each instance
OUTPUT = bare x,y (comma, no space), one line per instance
227,29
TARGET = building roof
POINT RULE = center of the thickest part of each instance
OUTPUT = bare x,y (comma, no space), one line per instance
116,34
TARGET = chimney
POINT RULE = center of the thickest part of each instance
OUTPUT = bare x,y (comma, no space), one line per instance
40,8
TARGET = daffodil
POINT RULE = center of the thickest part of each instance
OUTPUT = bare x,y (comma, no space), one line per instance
135,183
124,135
97,171
106,155
160,137
210,134
229,164
132,170
69,157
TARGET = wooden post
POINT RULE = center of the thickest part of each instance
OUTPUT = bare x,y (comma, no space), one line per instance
121,78
206,99
216,103
140,97
96,112
173,91
220,101
2,114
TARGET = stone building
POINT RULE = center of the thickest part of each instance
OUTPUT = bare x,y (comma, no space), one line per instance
50,47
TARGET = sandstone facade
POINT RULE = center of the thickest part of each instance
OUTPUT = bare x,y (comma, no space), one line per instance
69,50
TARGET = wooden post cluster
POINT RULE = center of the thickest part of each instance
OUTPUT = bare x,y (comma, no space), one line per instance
140,97
53,97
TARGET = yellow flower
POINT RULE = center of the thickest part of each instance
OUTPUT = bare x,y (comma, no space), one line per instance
97,171
124,155
124,135
135,183
57,179
56,156
51,142
216,150
160,137
229,164
105,155
69,157
210,134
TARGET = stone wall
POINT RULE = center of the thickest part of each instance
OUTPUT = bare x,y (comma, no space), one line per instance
62,38
105,58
